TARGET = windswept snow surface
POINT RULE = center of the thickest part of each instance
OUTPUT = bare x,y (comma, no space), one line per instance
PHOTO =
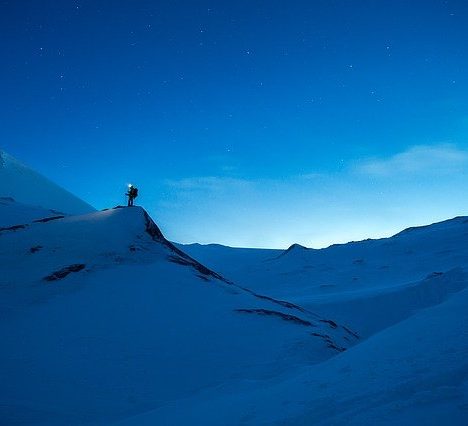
102,318
415,373
26,186
14,213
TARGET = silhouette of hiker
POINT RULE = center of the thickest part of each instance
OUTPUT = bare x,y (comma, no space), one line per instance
131,194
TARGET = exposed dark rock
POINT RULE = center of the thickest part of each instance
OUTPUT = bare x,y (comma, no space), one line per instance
283,303
178,260
48,219
13,228
35,249
331,323
353,333
335,347
182,259
62,273
285,317
179,256
325,336
153,230
358,262
329,342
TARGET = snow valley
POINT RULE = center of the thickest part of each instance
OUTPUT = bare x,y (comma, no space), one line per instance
105,321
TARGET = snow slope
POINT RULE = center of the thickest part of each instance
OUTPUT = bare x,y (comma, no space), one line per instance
103,318
26,186
14,213
415,373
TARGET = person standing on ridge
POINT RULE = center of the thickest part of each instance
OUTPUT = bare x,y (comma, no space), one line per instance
131,194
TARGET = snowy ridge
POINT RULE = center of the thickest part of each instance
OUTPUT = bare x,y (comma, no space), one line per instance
140,231
91,292
26,186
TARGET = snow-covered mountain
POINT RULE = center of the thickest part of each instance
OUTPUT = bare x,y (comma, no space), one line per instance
25,186
102,318
104,321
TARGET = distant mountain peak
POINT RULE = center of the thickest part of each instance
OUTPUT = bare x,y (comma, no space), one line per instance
295,246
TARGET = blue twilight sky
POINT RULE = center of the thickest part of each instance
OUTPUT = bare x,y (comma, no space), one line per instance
247,123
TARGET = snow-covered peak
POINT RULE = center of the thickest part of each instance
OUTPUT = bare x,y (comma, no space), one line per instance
295,247
26,186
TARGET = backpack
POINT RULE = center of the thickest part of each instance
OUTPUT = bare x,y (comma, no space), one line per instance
135,192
